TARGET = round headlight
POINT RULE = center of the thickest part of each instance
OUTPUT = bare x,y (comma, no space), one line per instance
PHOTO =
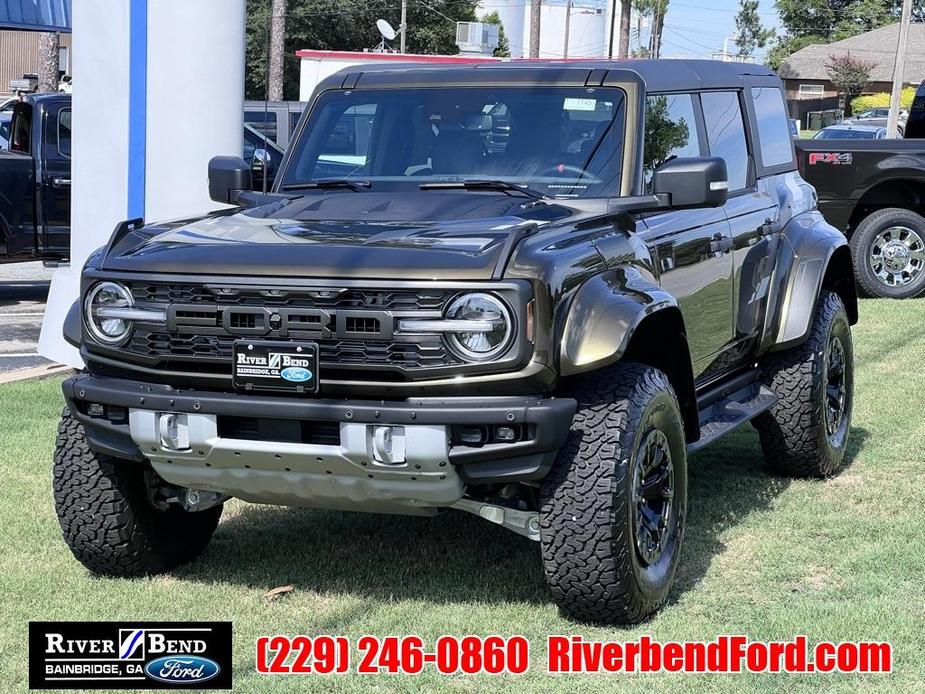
490,329
107,329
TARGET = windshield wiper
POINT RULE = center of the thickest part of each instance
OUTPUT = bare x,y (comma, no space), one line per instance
484,184
329,183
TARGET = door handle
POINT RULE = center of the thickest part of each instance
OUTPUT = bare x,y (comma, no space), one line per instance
720,243
61,182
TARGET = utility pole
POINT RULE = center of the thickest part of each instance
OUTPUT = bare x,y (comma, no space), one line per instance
404,25
535,6
568,19
898,69
277,50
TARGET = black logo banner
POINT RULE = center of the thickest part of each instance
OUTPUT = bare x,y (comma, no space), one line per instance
129,655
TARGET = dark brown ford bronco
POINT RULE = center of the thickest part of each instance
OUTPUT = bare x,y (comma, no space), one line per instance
524,291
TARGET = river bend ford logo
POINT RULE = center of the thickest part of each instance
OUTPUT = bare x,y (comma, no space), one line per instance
126,655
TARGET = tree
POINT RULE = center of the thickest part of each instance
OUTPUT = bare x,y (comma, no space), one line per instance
849,75
626,11
749,32
277,49
338,25
504,45
656,10
49,44
824,21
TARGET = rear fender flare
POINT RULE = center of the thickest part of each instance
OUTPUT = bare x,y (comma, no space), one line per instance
812,255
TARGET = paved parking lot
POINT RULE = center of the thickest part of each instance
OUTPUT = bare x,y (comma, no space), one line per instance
23,290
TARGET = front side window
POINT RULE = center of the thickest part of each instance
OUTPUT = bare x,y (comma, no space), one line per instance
726,134
774,138
561,141
671,132
263,122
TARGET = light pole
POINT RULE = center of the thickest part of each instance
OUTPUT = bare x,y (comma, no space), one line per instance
568,19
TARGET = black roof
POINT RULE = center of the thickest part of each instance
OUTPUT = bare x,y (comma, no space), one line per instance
658,75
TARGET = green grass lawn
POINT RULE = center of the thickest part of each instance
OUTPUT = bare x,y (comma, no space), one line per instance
764,556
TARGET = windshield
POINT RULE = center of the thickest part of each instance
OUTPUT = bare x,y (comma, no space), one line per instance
558,141
845,134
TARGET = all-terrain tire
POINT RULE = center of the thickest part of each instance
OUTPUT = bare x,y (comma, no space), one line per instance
863,241
795,433
106,517
588,503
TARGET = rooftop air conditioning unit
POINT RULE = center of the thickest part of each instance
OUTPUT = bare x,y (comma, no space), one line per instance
476,37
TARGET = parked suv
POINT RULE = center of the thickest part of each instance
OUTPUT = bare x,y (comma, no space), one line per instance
537,329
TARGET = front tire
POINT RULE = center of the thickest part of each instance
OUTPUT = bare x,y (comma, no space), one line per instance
888,250
613,508
805,433
106,517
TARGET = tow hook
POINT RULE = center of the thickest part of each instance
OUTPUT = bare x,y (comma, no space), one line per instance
194,500
526,523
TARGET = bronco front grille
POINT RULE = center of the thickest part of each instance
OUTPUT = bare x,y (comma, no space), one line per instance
353,327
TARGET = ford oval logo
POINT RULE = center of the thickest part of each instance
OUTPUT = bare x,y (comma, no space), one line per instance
296,374
182,669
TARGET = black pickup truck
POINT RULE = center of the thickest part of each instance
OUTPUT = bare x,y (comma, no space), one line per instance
874,192
35,178
35,181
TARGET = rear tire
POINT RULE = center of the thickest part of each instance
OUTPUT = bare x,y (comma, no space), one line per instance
805,433
888,250
613,508
106,518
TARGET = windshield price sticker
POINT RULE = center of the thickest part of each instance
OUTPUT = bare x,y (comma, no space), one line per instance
575,104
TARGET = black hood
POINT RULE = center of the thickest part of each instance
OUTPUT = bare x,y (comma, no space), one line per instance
417,235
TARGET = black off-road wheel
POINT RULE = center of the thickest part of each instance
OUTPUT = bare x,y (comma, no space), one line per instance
108,519
613,508
888,250
805,434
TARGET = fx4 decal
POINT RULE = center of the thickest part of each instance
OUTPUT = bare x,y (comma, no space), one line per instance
830,158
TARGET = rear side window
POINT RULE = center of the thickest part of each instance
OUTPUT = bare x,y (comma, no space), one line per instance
671,131
64,132
726,134
774,140
263,122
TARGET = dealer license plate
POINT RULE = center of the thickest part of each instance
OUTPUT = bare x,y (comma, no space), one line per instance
281,366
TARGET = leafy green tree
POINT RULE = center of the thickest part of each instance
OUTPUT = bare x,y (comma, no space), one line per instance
824,21
345,25
750,34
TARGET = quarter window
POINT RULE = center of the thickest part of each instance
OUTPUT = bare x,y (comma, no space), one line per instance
773,133
671,131
726,134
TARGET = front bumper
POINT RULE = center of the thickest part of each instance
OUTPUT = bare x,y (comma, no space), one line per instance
338,473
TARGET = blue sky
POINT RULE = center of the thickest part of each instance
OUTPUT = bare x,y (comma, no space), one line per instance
697,27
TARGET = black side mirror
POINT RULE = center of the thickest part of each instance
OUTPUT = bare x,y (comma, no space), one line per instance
692,182
228,176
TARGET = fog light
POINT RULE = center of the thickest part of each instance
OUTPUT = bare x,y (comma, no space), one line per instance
507,434
94,409
174,430
473,436
389,445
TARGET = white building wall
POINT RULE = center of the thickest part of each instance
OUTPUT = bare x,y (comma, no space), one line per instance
190,56
589,33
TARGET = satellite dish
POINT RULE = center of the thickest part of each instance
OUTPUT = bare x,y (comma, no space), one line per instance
388,33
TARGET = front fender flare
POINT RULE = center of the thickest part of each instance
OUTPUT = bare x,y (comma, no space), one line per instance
603,315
